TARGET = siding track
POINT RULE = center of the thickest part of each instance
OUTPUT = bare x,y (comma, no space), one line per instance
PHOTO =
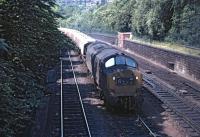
186,112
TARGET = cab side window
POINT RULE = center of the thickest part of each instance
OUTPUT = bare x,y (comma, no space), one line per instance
110,62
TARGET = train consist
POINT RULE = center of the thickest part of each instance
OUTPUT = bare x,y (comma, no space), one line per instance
115,73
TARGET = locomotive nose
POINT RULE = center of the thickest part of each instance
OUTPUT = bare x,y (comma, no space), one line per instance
124,82
126,77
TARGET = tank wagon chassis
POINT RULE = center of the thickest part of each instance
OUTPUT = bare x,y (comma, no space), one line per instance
115,74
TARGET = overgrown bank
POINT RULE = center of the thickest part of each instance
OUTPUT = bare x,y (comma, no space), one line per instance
29,46
163,20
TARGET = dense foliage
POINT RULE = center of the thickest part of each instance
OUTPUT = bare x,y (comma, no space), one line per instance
172,20
29,46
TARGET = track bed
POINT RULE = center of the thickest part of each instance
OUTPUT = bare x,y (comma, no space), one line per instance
101,122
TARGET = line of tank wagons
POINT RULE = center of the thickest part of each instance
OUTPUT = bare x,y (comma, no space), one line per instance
116,74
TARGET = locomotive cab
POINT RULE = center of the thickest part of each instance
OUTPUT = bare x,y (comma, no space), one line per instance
120,80
122,75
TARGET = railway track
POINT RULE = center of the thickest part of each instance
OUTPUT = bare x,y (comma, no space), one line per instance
185,112
74,113
80,118
73,118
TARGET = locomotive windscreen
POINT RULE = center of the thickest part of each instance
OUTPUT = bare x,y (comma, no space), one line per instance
120,60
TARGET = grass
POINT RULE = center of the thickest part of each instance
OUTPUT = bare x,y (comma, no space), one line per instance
163,45
169,46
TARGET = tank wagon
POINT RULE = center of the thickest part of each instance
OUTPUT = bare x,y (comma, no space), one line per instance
115,74
82,40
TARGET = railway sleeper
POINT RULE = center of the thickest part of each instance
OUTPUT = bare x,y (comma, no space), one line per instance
75,134
167,96
73,123
73,109
196,119
182,108
75,130
193,115
72,104
178,105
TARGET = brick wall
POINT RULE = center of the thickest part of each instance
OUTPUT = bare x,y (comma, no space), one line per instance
181,63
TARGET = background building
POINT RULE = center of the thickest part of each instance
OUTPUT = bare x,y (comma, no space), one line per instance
83,2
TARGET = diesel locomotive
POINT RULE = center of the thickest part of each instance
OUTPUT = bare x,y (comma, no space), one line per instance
116,74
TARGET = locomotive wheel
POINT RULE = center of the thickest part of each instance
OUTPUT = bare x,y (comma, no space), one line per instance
138,104
107,104
129,104
126,104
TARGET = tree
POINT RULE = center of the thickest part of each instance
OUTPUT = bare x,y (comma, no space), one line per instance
29,46
185,23
174,20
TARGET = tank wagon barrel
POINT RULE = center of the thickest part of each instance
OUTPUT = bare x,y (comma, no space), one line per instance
115,73
82,40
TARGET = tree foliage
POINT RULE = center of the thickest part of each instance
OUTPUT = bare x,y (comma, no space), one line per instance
185,22
172,20
29,46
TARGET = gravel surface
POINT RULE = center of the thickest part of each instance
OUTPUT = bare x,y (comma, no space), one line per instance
102,122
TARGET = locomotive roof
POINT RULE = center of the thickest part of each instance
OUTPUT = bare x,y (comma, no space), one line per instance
106,53
97,46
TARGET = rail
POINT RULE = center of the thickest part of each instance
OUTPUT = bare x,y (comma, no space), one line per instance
179,105
61,97
80,99
151,133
